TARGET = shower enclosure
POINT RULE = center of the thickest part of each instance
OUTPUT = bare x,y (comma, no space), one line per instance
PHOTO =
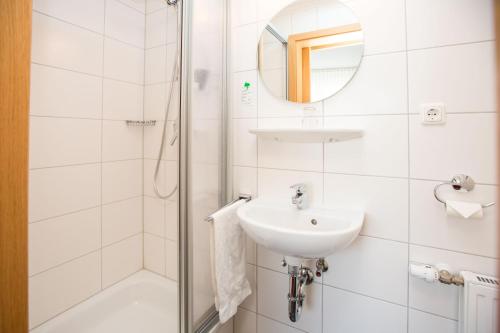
127,158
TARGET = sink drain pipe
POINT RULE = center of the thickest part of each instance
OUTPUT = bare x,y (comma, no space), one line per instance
299,277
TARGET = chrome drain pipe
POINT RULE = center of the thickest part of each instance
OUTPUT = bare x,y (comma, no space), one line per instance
299,277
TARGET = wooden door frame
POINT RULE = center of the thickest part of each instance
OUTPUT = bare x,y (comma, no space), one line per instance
15,58
299,51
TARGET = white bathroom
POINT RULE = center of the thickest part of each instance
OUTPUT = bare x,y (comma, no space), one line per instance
249,166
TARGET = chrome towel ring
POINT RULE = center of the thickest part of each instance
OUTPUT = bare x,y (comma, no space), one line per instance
459,183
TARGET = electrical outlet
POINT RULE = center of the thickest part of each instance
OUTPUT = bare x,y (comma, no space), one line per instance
433,114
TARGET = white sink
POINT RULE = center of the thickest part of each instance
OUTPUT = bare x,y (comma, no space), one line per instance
292,232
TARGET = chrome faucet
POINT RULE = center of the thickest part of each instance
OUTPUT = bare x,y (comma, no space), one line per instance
298,198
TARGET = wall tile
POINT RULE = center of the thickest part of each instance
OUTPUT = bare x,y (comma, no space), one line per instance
383,24
369,276
62,45
275,184
250,302
244,101
227,327
388,98
124,23
172,220
270,106
245,143
384,201
251,251
139,5
69,94
156,28
63,141
121,220
172,260
266,9
347,312
155,101
56,290
270,260
245,322
87,14
123,62
122,100
154,5
152,141
266,325
172,18
421,322
378,165
121,180
382,151
55,241
70,57
284,155
120,141
121,259
244,181
156,61
57,191
154,253
456,260
462,77
453,233
149,170
244,45
243,12
169,65
272,301
154,216
442,23
453,151
438,298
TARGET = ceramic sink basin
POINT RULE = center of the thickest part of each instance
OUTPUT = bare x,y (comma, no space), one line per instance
306,233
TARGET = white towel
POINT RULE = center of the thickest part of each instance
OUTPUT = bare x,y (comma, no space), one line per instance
464,209
228,256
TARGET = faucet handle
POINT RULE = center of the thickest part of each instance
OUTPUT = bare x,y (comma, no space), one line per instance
300,188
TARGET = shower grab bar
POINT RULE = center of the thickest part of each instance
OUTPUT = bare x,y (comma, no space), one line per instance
245,197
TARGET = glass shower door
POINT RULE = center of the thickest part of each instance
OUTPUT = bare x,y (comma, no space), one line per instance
204,106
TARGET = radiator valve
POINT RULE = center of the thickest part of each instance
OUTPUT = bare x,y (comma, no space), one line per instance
439,273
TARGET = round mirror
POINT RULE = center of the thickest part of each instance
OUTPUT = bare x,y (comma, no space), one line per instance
310,50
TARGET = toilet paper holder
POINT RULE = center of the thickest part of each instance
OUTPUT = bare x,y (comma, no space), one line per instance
459,183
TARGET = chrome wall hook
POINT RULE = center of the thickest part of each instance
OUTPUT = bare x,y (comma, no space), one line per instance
459,182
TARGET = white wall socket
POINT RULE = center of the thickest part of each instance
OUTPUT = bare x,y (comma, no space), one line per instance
433,114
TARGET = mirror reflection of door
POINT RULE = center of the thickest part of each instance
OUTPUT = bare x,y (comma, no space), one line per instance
310,50
320,61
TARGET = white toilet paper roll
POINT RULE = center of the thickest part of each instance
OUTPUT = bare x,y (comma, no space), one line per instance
464,209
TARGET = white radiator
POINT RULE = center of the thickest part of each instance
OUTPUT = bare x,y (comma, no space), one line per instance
479,304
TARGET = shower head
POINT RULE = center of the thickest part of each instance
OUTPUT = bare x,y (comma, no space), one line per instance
172,2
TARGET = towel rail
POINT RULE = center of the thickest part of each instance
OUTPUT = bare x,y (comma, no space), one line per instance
245,197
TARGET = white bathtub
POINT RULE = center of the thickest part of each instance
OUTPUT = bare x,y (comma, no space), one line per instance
143,303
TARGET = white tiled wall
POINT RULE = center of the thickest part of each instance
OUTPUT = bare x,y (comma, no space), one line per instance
160,216
86,192
416,52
